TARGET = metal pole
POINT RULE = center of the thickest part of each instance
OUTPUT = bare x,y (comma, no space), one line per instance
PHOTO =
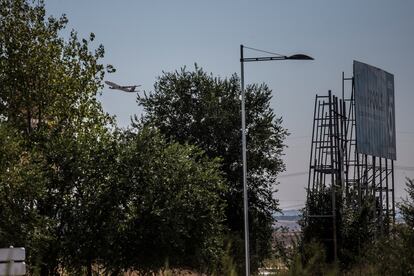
393,193
245,198
333,179
343,86
374,193
387,196
381,207
313,144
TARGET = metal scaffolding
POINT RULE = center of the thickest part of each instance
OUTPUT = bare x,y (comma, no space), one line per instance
354,180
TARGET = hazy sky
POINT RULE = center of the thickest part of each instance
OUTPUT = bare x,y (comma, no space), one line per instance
144,38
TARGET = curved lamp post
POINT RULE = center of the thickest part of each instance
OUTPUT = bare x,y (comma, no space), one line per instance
243,114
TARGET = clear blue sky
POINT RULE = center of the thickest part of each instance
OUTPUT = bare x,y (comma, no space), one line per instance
143,38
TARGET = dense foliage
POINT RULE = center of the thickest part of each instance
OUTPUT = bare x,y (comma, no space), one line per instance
81,195
360,251
197,108
54,135
76,192
170,207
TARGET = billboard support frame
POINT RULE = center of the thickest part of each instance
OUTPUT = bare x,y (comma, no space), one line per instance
357,179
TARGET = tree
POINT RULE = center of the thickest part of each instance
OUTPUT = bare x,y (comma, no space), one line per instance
170,211
47,82
87,182
405,254
75,191
203,110
53,169
407,205
22,185
391,254
318,226
360,248
355,226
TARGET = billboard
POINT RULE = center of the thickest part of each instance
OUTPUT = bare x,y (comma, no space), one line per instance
374,111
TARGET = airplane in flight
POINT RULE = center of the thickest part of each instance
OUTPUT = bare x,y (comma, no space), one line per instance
128,88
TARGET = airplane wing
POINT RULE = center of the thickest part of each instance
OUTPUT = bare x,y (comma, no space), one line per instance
130,86
112,84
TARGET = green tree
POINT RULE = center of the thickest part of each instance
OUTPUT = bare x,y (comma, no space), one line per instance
56,199
23,185
170,210
405,232
407,205
354,226
54,168
197,108
318,226
86,178
392,254
360,249
46,82
74,192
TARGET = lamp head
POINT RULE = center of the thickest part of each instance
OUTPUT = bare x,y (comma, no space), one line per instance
300,57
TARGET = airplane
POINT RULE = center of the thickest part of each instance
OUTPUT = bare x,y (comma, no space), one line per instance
129,88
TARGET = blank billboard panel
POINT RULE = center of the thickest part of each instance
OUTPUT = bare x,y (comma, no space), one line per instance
375,111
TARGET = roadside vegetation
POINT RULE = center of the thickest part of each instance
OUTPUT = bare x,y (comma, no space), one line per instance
359,252
163,196
84,196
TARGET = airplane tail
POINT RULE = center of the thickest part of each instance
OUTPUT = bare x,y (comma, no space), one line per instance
132,89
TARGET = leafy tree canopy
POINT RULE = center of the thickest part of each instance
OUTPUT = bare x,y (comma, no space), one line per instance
47,81
73,191
54,136
170,208
407,206
197,108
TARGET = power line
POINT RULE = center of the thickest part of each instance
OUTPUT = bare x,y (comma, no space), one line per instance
293,206
297,137
290,200
404,168
293,174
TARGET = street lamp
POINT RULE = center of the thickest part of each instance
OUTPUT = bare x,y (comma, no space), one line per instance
243,117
